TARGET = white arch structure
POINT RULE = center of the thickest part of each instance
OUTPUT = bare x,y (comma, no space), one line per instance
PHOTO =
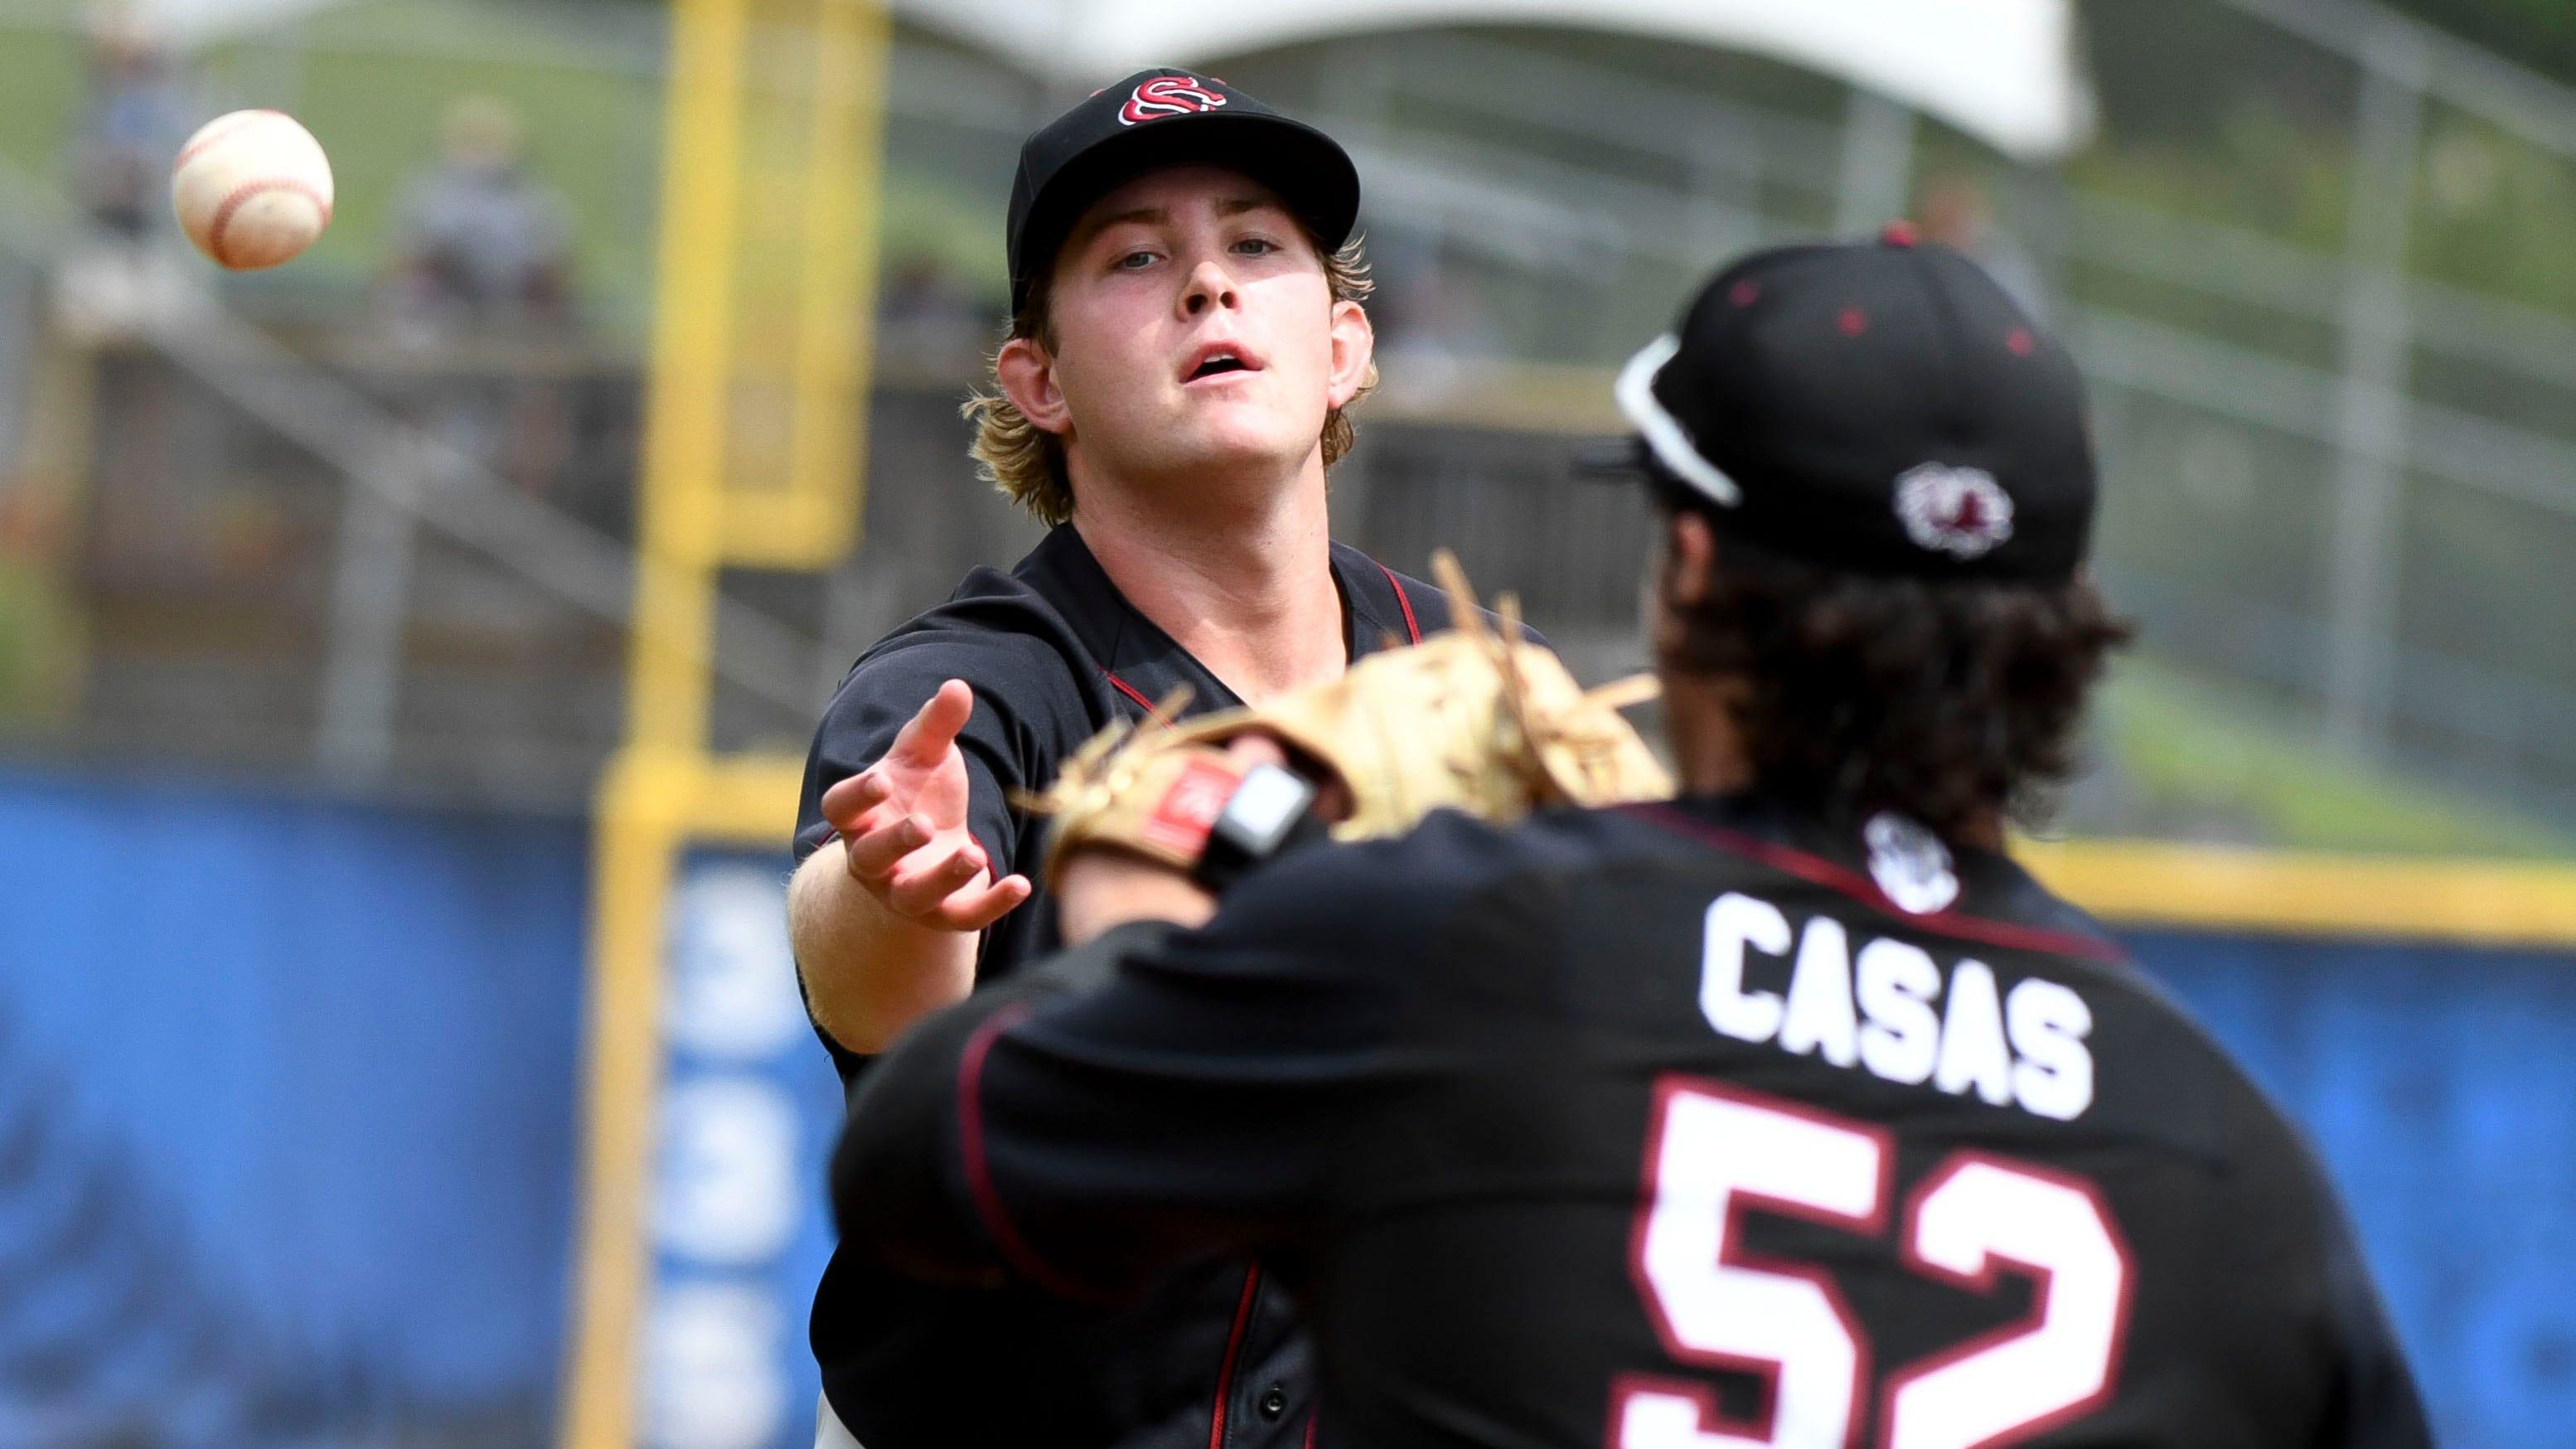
2004,71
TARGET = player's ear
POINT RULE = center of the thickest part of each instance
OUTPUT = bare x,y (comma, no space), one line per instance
1690,557
1026,371
1354,363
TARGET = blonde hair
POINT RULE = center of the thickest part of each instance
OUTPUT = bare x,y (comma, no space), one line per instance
1026,461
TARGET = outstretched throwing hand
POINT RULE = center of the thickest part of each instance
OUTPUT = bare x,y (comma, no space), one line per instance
902,823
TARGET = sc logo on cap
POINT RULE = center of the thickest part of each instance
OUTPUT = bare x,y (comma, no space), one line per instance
1962,512
1167,95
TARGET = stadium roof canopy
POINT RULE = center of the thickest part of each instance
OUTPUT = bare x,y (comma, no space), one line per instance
194,22
2003,71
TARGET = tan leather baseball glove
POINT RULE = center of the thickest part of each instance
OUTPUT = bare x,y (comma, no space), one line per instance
1472,719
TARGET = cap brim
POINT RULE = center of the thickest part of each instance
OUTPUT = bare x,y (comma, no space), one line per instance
1310,171
1611,460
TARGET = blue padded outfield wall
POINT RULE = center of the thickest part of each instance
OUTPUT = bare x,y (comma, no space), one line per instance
287,1105
2440,1084
288,1092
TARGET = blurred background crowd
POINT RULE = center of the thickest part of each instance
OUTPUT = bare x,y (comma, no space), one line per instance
314,591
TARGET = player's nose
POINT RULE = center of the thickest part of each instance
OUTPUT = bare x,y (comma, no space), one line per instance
1210,286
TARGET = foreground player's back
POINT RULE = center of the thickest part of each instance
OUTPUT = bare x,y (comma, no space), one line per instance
1726,1130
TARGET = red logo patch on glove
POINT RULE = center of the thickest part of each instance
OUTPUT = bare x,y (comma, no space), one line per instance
1189,810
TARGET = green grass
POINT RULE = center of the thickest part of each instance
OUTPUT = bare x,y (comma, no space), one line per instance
42,81
2199,753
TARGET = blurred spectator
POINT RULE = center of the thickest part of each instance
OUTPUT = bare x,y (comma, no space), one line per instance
482,282
1957,212
1426,310
131,128
479,245
132,125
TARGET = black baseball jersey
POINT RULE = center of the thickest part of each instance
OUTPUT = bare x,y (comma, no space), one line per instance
1666,1127
1054,653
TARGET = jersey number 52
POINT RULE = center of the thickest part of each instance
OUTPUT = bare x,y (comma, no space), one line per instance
1715,1152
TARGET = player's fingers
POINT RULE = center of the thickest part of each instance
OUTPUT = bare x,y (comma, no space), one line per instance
974,910
919,890
848,800
925,739
875,853
893,814
1334,802
1255,749
884,817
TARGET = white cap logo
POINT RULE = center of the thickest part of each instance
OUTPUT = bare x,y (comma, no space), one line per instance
1962,512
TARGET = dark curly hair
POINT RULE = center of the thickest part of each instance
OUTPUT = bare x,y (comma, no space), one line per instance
1949,702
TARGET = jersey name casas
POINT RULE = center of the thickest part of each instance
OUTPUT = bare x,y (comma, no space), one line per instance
1891,1008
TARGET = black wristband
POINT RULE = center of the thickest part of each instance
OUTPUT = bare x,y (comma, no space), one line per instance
1270,813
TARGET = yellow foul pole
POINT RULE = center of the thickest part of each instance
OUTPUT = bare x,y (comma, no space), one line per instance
666,789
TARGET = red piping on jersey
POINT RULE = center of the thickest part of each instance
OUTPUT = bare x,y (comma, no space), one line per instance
1817,870
1233,1347
1312,1420
1404,601
979,1174
1129,690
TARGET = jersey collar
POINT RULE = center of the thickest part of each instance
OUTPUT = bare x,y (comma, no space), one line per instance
1993,889
1136,651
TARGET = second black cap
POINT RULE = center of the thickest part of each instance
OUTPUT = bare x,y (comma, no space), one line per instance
1162,117
1883,407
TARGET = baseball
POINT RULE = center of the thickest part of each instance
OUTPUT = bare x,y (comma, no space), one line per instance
252,189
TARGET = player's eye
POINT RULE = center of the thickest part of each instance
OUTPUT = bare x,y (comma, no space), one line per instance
1256,246
1134,261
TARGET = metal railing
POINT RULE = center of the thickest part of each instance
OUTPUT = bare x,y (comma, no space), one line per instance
399,476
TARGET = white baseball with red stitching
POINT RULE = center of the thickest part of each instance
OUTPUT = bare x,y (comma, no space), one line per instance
252,189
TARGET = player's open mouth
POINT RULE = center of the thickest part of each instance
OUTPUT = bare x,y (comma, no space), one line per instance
1217,359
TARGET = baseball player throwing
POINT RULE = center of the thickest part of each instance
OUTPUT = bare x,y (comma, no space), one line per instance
1187,337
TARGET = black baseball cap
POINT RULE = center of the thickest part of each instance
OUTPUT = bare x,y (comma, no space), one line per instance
1158,118
1883,407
